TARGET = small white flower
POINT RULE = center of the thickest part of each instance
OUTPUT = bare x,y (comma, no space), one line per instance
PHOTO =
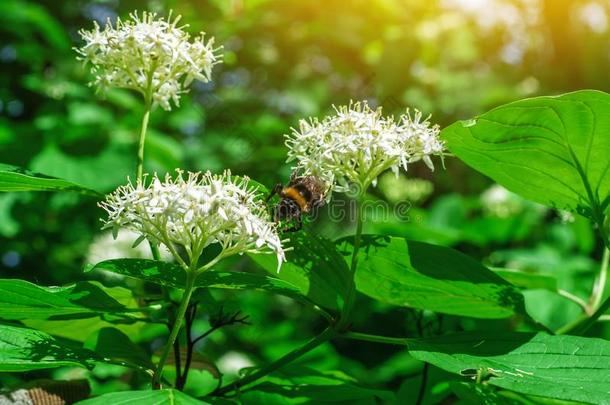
499,202
148,54
357,144
566,217
195,212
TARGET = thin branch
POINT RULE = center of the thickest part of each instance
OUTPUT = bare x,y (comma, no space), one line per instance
218,323
190,318
575,299
177,361
376,338
422,386
326,335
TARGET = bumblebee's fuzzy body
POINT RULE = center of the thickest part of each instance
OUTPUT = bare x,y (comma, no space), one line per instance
299,197
295,195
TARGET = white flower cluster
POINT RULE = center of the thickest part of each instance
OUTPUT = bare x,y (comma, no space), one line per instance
194,213
148,54
358,143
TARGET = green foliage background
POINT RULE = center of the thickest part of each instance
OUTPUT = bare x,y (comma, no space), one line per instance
284,60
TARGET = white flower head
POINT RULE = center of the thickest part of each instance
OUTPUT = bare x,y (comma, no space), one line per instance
358,143
194,213
148,54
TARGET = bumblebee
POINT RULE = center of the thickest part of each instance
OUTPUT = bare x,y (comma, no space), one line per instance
302,195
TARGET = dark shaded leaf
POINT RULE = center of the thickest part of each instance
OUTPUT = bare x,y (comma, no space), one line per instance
24,349
314,266
436,278
20,300
306,384
172,275
529,281
113,344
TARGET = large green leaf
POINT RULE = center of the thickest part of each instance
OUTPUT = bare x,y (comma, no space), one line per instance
14,178
20,300
113,344
553,150
172,275
24,349
160,397
424,276
562,367
314,266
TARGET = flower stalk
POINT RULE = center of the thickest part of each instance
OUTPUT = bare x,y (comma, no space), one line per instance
351,288
189,288
142,139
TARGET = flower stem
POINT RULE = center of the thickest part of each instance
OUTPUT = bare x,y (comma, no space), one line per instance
376,338
143,129
327,334
351,288
186,298
595,308
600,282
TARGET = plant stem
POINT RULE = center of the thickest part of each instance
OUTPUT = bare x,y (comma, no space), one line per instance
582,327
190,345
186,297
327,334
595,308
575,299
376,338
422,385
143,129
600,283
177,361
351,289
154,249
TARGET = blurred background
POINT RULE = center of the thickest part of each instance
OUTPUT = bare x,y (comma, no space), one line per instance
285,60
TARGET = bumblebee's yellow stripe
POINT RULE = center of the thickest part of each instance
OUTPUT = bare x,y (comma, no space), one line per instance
294,195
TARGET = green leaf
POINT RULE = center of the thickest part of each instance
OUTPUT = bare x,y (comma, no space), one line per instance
113,344
314,266
159,397
24,349
553,150
419,275
172,275
293,384
561,367
79,330
20,300
528,281
480,394
14,178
